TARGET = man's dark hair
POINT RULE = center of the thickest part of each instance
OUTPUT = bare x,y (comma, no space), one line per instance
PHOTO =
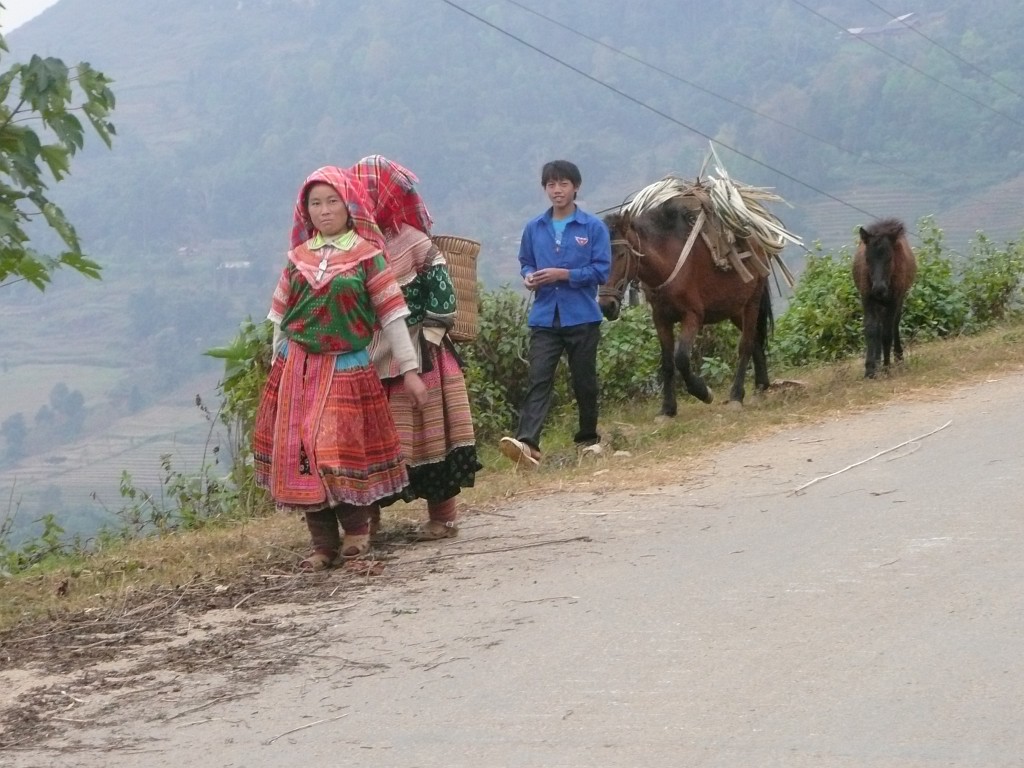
557,170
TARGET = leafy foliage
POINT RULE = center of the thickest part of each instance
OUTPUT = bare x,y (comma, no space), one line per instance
822,322
45,91
628,358
246,365
495,363
992,282
50,544
936,306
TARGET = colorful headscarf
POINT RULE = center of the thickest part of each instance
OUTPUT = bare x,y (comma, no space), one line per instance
357,200
392,189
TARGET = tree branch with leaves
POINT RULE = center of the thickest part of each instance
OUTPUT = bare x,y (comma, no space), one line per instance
40,131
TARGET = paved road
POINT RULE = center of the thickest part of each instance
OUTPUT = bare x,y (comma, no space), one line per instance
872,620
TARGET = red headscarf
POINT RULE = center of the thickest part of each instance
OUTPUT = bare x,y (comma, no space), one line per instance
360,206
392,189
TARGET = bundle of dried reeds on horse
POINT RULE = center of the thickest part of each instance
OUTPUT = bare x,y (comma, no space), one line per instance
728,212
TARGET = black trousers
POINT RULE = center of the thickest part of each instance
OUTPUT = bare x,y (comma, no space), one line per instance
579,342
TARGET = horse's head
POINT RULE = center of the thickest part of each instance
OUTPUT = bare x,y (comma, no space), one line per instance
880,242
625,266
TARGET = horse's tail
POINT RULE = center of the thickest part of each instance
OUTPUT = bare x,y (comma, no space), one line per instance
765,317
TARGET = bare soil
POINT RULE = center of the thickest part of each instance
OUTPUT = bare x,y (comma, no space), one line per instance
153,641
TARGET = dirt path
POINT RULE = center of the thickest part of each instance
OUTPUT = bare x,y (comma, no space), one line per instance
872,618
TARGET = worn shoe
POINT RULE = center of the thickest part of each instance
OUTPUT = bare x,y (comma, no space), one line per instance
434,530
318,560
519,452
353,546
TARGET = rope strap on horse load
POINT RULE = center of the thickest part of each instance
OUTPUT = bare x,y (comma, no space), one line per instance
734,211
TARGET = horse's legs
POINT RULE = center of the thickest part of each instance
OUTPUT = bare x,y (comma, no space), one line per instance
749,347
897,342
666,340
761,380
764,325
872,338
888,316
694,384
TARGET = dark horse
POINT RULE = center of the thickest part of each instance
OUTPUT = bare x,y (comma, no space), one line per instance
883,270
648,247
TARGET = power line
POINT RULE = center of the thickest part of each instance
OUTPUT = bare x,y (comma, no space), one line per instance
726,99
654,110
911,66
939,45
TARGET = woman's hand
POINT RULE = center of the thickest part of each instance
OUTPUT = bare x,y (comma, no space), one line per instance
416,389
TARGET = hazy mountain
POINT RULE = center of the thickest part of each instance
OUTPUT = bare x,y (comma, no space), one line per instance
225,105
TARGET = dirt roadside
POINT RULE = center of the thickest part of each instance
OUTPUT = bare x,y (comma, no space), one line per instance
74,688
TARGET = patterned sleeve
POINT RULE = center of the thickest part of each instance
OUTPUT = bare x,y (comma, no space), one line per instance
279,303
385,294
440,294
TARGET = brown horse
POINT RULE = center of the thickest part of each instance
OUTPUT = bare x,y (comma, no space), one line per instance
649,247
883,270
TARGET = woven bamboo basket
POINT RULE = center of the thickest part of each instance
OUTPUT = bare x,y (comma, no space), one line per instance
461,253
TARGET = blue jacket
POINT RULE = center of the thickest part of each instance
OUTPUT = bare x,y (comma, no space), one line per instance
585,252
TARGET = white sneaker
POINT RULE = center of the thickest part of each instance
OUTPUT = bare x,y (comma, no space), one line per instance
519,452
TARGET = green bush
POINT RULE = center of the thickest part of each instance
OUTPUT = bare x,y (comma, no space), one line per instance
628,358
495,363
991,280
936,306
822,322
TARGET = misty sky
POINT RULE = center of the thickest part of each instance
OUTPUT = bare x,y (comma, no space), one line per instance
17,12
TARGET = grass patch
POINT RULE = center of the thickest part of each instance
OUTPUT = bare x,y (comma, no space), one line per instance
660,453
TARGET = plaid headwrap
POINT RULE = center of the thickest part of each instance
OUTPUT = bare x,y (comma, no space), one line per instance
392,189
360,206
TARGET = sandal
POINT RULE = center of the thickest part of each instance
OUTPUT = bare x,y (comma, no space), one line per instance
434,530
521,453
353,546
318,560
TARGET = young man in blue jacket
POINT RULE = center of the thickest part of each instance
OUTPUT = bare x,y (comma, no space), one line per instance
565,254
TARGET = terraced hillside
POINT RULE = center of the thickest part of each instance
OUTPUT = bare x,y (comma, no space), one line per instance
79,481
834,224
998,212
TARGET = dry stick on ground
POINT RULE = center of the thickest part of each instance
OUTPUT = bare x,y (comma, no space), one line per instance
260,591
204,705
304,727
869,458
448,555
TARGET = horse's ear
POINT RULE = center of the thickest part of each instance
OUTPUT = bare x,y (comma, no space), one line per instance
863,235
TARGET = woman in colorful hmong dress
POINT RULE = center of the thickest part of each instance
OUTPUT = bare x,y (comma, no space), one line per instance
438,439
325,441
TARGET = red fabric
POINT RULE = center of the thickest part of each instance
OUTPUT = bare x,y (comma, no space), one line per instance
380,193
356,457
356,198
303,391
392,189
